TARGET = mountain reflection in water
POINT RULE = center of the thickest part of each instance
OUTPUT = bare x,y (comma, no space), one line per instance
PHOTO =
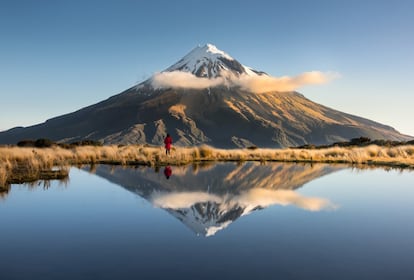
208,198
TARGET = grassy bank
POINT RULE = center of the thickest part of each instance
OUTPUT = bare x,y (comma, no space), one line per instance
29,160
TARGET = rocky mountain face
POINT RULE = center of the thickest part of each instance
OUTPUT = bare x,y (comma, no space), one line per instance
208,199
219,113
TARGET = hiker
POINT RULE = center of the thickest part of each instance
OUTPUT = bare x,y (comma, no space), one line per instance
167,172
168,141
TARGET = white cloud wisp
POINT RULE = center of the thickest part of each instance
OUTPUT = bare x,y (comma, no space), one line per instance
256,84
179,79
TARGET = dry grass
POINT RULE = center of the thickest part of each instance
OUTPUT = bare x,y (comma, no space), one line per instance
34,159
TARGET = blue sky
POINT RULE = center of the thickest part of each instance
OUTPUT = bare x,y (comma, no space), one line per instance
59,56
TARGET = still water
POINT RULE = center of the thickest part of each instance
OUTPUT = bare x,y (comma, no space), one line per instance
222,221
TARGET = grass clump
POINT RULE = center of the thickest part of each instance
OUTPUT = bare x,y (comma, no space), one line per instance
205,151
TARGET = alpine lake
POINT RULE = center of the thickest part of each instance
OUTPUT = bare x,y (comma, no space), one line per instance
213,221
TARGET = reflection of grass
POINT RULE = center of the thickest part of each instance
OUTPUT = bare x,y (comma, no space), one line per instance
26,160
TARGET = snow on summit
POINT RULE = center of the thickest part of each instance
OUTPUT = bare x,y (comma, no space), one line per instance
209,62
213,50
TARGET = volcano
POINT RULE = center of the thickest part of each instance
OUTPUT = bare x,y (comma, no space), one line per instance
198,100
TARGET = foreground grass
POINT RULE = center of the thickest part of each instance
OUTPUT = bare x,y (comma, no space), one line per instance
31,161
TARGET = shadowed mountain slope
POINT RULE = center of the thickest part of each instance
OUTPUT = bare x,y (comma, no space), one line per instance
223,115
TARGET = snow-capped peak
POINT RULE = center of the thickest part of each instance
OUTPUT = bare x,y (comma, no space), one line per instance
212,49
209,62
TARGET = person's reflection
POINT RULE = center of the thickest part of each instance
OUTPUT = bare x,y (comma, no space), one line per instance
167,172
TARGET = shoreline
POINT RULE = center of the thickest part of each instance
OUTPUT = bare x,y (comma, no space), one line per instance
29,162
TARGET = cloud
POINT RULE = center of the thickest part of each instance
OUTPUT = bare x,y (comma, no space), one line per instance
256,84
179,79
250,199
265,198
263,83
178,200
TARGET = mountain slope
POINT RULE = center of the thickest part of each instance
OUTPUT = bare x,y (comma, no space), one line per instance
223,115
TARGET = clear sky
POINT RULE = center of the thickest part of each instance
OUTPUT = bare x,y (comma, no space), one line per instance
59,56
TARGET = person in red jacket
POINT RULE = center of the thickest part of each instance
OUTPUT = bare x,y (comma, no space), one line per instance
168,141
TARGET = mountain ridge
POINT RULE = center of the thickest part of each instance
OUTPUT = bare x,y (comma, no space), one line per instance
211,108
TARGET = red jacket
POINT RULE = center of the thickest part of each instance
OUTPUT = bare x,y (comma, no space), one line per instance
168,141
167,171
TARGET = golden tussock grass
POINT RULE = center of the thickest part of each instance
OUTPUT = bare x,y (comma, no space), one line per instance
32,160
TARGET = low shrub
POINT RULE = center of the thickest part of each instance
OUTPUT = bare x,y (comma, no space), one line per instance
87,142
43,143
39,143
26,143
65,145
359,141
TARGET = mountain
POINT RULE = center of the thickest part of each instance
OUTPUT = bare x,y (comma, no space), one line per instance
210,62
209,199
203,99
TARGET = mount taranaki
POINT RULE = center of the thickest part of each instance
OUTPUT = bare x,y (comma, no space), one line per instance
222,114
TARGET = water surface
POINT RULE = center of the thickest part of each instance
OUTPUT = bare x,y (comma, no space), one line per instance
249,221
